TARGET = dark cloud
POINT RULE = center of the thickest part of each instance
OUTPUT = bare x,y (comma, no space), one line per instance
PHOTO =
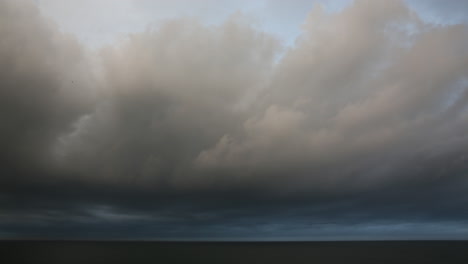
39,70
198,131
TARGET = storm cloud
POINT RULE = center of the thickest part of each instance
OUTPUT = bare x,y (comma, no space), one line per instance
192,130
44,87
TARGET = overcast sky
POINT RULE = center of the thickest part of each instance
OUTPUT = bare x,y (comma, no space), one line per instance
234,120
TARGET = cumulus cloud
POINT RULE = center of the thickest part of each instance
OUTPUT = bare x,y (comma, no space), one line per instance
362,92
170,93
356,98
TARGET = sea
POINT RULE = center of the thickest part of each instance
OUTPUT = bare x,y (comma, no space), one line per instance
342,252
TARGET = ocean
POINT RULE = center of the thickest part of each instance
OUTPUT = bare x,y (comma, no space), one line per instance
376,252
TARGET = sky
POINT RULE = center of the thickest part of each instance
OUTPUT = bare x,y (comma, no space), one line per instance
234,120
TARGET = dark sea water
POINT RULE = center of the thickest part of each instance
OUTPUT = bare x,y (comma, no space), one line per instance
234,252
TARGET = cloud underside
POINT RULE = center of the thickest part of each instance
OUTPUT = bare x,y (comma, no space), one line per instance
212,128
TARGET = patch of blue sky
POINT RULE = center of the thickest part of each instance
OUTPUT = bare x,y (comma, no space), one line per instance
441,12
97,23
